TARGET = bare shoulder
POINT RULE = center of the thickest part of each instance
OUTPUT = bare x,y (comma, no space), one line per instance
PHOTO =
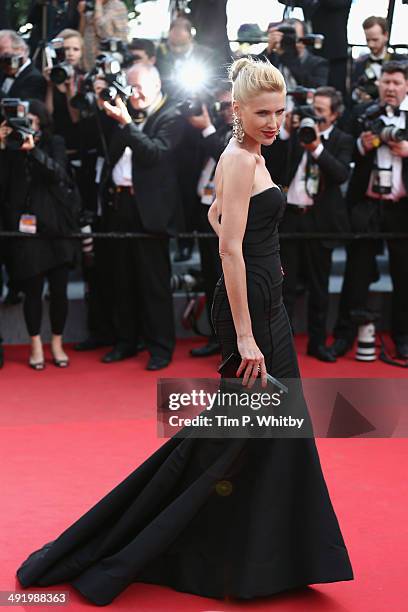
238,161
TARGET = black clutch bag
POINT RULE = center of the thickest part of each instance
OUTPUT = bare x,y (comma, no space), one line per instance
228,369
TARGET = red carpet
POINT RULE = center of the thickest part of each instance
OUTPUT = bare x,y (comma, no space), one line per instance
68,437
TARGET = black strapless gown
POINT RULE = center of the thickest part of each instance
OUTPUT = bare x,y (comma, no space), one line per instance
167,522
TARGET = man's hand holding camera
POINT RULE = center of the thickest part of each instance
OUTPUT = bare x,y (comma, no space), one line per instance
369,141
399,149
5,131
118,111
274,41
200,122
312,146
372,141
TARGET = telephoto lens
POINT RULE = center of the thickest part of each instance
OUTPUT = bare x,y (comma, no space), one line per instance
61,73
366,349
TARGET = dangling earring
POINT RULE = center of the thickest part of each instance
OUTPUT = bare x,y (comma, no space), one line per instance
238,129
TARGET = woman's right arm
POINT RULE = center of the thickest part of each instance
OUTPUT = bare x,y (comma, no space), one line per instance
238,178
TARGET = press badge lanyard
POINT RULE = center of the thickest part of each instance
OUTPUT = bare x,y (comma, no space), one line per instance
28,221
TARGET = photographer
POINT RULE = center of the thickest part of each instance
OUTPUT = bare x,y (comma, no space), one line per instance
367,68
186,68
287,51
177,53
142,51
318,155
62,85
330,18
141,188
378,199
36,197
56,14
213,142
96,130
19,78
101,19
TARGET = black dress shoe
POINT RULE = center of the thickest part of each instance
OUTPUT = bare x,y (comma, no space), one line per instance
401,349
12,298
118,353
340,347
90,344
322,353
211,348
157,363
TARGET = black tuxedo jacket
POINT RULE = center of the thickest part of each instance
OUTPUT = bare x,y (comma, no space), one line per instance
329,209
157,195
313,71
30,83
362,62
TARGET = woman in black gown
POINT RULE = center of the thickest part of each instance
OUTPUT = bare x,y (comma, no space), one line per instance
220,517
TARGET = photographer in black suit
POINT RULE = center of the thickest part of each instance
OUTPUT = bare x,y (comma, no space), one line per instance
329,17
318,160
290,55
378,199
367,67
142,191
19,78
212,144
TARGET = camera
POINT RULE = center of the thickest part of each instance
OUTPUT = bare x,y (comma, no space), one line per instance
107,67
61,70
290,38
302,95
8,61
371,122
307,130
308,120
366,84
192,106
117,49
15,112
189,281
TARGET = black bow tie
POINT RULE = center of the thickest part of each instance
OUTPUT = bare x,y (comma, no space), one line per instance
139,116
376,61
394,111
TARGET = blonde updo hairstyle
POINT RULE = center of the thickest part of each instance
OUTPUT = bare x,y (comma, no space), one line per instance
250,77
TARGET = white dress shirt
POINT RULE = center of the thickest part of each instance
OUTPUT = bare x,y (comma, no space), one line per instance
385,159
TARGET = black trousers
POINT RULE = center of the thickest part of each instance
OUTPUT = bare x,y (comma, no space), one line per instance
33,289
143,300
314,260
100,296
361,270
211,267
